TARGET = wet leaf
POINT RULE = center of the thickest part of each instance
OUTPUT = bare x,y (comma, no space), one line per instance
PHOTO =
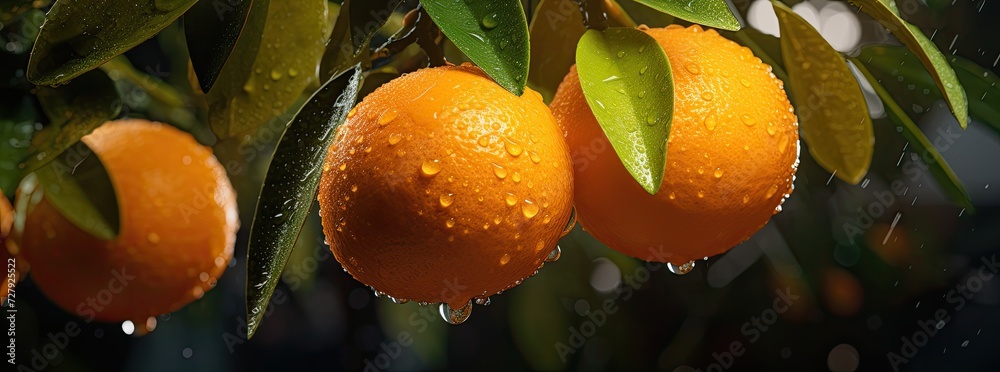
634,109
79,187
555,29
17,126
211,29
265,77
80,35
493,34
711,13
902,75
290,187
830,106
352,33
74,110
886,12
939,168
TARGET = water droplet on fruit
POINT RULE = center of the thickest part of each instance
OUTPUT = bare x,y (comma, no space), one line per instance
693,68
534,157
529,208
153,238
387,117
512,147
395,138
771,129
446,200
682,269
430,167
570,223
276,75
499,171
718,172
771,191
450,223
707,96
710,122
505,259
749,121
621,53
455,316
510,199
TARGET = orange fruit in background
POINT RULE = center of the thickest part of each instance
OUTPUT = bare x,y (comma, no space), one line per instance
178,225
441,186
731,155
6,221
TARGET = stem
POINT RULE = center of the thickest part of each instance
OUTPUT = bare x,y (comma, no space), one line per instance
423,31
760,53
594,16
428,35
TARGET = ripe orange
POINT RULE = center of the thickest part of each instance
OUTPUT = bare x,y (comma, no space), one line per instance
731,156
178,225
441,186
6,221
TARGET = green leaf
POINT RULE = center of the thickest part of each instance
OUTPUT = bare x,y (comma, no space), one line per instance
711,13
79,35
939,168
17,126
902,75
983,86
554,32
494,34
78,187
75,110
356,23
290,187
211,29
266,76
830,106
633,106
886,12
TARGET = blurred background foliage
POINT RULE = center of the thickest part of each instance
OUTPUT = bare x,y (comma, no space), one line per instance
860,290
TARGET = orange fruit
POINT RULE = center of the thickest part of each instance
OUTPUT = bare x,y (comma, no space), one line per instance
731,155
178,223
6,221
441,186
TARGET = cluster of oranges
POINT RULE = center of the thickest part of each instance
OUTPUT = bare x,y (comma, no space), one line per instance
442,187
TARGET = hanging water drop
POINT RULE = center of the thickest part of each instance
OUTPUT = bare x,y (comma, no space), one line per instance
554,255
682,269
455,316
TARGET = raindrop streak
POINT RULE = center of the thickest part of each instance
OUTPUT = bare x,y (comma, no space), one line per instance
554,255
682,269
455,316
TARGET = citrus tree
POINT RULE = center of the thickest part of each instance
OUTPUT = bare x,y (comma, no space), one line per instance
299,70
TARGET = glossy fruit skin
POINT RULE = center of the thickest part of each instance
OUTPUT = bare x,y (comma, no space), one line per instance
441,186
731,156
178,222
